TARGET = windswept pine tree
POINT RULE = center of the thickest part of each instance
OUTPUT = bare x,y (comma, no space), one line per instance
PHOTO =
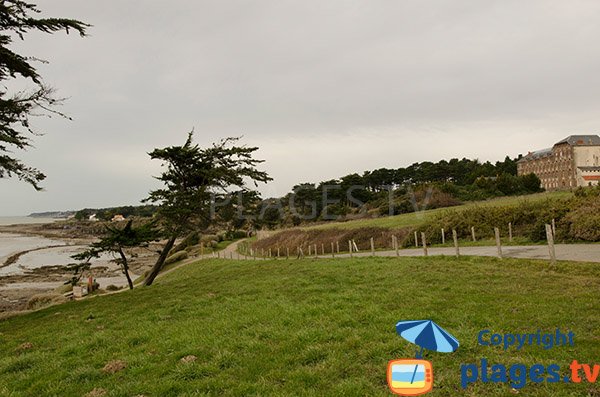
17,18
194,179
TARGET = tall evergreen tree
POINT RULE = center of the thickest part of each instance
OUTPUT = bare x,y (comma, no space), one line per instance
17,18
195,178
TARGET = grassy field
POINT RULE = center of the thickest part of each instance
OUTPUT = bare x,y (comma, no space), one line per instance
308,328
416,218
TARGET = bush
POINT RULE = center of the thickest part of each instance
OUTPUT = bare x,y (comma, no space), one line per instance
190,240
527,218
43,300
208,238
235,234
577,219
583,223
179,256
425,196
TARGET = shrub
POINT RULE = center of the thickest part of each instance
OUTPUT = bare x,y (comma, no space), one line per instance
42,300
208,238
583,223
235,234
179,256
576,218
527,218
191,239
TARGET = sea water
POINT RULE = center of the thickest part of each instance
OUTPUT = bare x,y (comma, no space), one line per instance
24,220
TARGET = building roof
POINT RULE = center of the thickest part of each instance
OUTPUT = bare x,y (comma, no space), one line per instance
573,140
581,140
536,155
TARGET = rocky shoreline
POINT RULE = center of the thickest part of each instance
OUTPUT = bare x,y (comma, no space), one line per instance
26,281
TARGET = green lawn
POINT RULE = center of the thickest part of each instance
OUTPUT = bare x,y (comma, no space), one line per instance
416,218
309,328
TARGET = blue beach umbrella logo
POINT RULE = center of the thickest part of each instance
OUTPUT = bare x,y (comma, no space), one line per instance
427,335
412,377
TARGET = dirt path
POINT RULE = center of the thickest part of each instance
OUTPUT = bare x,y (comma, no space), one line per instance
230,252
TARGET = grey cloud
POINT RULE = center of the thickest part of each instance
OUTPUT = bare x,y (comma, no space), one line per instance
346,85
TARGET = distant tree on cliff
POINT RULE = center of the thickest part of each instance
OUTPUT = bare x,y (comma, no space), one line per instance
195,178
17,18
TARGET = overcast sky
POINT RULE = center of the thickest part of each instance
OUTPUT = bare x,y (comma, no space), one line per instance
324,88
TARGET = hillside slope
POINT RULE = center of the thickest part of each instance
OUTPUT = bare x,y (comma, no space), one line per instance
416,218
310,327
402,226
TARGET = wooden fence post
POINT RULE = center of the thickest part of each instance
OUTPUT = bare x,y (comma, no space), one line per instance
332,251
322,249
316,253
424,241
455,238
309,249
550,238
416,240
553,228
350,247
355,246
443,237
473,233
287,252
372,247
277,252
337,245
498,243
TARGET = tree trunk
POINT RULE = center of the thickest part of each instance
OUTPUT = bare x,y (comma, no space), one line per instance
160,262
125,267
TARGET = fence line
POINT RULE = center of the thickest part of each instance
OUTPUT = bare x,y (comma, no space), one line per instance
422,241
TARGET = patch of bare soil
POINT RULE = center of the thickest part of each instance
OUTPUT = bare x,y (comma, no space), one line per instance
97,392
25,346
188,359
114,366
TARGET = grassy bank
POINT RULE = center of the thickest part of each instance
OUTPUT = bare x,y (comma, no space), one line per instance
417,218
310,327
429,221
